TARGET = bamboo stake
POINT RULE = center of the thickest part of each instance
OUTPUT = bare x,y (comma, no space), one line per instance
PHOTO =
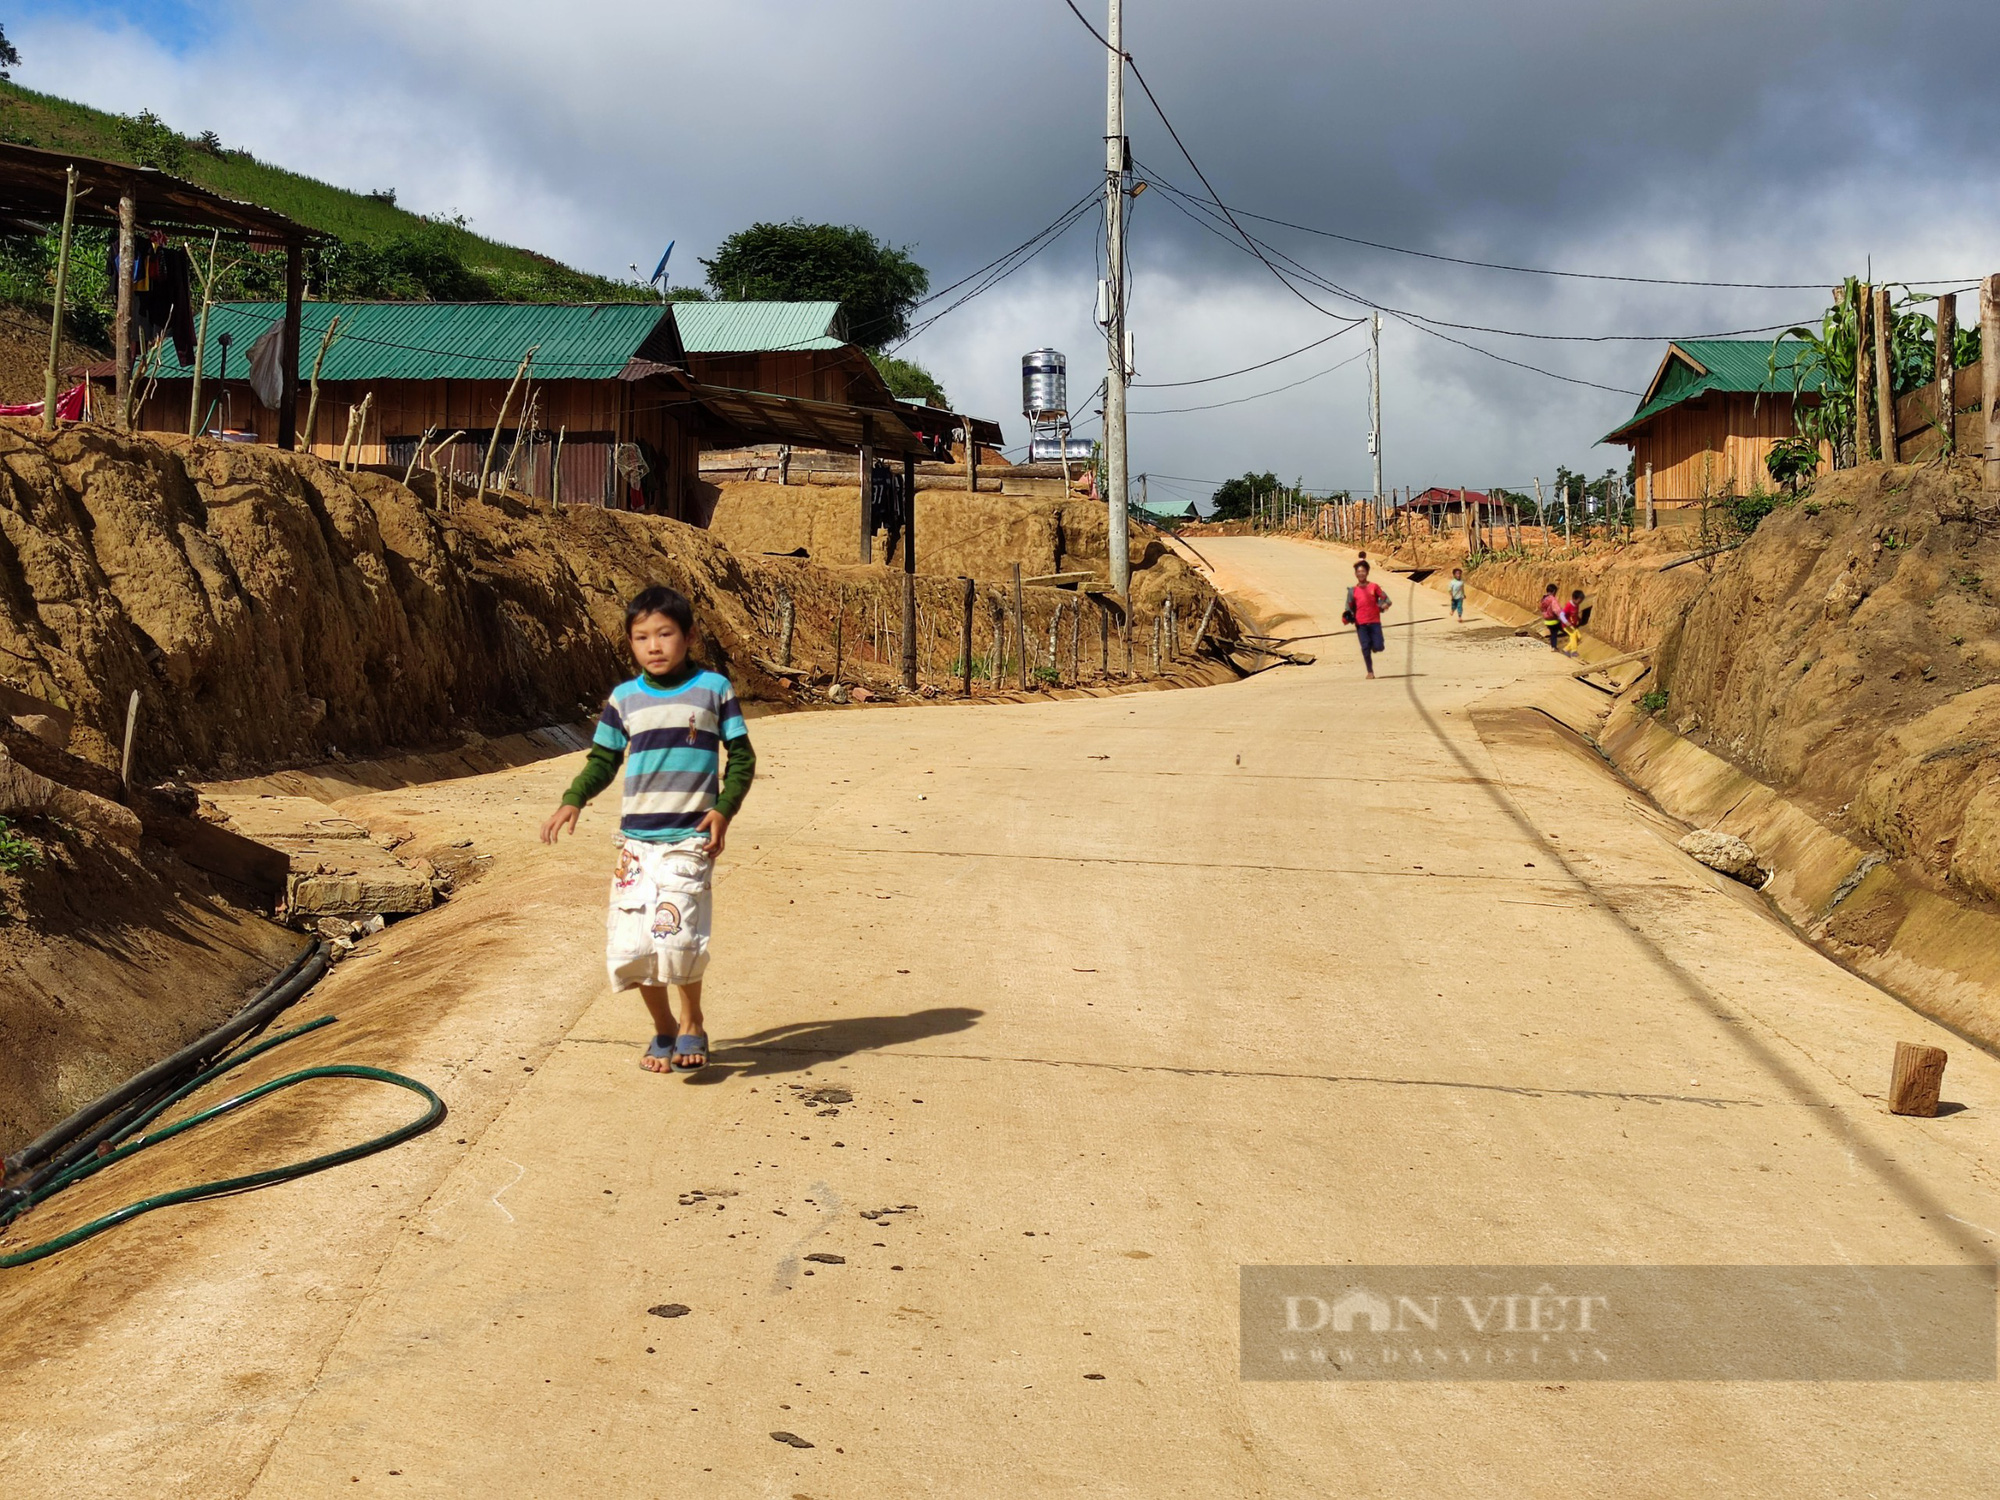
1885,377
56,312
965,642
1989,376
493,442
1947,371
555,469
312,402
1020,624
417,457
201,336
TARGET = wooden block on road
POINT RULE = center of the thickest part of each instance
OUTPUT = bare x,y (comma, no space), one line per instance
1917,1079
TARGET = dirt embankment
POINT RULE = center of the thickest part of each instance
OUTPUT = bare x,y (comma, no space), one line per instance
1633,604
270,610
958,534
1847,656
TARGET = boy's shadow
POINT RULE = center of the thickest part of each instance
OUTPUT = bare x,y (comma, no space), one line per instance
789,1049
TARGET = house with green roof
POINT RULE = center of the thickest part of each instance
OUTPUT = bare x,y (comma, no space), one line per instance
614,405
1710,416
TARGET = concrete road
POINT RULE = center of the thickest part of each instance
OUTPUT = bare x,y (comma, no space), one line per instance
1117,997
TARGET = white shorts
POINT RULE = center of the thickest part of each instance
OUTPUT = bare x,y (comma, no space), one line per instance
657,928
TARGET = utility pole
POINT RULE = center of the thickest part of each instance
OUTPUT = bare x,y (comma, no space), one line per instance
1375,399
1114,329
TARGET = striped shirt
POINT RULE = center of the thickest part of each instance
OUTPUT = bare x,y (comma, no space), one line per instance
671,738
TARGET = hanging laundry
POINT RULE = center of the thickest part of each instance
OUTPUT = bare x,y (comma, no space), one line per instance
69,406
267,365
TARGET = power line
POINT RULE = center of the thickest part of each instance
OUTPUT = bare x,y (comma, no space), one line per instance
1161,385
1489,265
1211,406
1152,99
1175,193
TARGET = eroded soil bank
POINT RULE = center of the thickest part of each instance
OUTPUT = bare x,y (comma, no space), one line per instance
1846,657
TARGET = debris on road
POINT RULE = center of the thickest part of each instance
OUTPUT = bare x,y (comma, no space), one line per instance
670,1310
1724,852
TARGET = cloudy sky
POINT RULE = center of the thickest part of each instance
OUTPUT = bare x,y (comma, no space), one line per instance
1749,141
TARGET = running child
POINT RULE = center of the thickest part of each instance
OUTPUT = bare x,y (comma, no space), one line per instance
1365,603
1458,595
667,725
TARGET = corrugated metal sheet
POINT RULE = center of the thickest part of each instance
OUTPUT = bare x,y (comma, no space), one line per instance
756,327
438,340
1696,366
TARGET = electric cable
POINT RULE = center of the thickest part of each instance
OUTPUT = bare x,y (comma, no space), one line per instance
129,1143
1127,60
1211,406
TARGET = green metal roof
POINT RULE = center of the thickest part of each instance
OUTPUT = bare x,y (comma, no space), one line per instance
757,327
443,340
1694,367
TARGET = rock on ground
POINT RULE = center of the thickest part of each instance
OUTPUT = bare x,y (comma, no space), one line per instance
1724,852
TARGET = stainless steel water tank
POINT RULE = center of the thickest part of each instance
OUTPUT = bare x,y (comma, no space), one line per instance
1044,384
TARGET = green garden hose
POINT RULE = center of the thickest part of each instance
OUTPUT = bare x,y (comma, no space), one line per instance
133,1143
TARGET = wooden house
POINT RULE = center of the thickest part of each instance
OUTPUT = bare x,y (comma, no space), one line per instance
1710,416
614,389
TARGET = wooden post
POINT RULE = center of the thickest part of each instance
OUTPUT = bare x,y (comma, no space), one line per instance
1020,620
1885,376
319,359
1076,640
56,311
971,456
288,344
864,459
1864,366
347,443
909,571
839,628
201,337
1947,335
131,740
1103,640
555,469
493,440
121,328
965,641
1202,629
999,642
787,615
1989,375
1915,1080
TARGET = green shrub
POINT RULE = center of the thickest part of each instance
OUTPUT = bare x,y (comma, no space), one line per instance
18,852
1654,702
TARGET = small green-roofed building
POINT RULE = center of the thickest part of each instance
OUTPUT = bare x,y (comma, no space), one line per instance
1710,416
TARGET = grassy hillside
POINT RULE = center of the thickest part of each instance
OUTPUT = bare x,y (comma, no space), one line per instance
382,250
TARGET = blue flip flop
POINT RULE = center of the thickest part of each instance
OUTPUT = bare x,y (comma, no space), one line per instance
662,1046
688,1046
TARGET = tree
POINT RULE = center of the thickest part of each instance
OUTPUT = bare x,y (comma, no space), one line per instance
876,284
1234,501
10,56
910,380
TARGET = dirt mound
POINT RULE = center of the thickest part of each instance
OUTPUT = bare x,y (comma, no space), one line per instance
959,533
270,610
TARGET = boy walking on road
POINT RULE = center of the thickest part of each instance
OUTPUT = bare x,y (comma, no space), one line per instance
667,725
1365,603
1458,595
